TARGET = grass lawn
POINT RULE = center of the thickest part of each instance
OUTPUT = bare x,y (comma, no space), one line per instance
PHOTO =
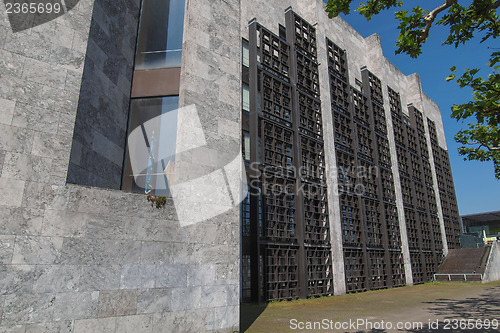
414,305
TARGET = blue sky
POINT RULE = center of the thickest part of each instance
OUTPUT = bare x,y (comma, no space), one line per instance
476,187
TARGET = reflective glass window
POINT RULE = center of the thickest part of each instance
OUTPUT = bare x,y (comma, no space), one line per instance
160,34
151,145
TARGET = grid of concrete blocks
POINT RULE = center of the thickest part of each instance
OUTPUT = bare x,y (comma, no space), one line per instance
329,115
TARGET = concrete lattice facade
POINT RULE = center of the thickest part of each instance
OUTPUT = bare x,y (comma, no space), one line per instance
383,210
77,254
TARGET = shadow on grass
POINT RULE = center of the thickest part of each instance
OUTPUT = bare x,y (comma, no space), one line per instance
449,311
249,312
459,312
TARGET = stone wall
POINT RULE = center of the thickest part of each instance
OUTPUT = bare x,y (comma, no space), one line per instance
99,137
492,271
83,259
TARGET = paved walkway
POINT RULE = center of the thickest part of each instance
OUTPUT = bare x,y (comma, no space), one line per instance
436,307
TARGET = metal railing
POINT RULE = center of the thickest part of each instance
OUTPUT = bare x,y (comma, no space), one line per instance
458,274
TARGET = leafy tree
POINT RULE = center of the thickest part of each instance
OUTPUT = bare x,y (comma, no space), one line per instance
481,140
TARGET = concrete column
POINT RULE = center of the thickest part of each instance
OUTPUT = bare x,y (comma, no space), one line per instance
334,209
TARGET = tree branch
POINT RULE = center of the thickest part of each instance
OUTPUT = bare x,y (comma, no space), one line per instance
492,109
429,18
494,5
375,3
482,144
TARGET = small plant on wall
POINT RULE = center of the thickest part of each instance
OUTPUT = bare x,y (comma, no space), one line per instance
157,201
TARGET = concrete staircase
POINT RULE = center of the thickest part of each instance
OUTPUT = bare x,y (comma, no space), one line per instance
464,265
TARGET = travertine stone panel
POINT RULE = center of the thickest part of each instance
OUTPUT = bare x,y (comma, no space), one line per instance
55,327
99,140
7,111
76,305
154,300
56,279
6,248
115,303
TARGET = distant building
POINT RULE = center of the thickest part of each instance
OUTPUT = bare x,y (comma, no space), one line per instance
486,225
472,240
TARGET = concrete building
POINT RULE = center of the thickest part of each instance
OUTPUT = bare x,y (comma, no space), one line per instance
483,224
80,251
327,114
